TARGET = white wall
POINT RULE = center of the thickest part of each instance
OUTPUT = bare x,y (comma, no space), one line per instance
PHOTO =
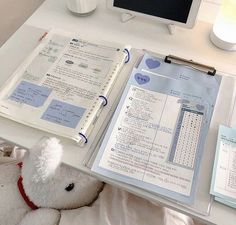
13,13
205,14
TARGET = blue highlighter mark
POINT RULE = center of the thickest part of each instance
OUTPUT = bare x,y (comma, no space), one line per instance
63,114
30,94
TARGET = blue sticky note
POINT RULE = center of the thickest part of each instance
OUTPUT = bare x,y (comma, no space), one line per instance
30,94
63,113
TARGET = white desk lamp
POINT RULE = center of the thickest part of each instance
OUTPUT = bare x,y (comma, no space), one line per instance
223,34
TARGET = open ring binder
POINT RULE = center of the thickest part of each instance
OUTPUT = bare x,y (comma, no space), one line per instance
202,67
128,55
84,137
104,99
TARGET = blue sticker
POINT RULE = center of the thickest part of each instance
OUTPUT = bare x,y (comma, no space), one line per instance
63,113
152,63
141,79
200,107
30,94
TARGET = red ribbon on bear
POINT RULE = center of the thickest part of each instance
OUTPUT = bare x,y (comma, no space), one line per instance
22,192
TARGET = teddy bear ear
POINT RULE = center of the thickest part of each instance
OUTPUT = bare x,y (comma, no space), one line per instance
45,158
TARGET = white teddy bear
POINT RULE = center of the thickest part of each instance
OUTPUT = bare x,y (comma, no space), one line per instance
34,193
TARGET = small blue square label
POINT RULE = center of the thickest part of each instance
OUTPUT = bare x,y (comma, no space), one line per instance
63,113
30,94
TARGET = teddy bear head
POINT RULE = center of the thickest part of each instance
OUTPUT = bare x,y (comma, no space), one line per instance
49,183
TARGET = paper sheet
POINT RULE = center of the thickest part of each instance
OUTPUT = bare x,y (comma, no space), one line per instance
60,84
223,184
156,138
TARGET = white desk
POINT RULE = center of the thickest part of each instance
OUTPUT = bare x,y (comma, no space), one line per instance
142,34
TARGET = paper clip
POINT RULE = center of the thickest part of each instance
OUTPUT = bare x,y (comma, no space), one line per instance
43,36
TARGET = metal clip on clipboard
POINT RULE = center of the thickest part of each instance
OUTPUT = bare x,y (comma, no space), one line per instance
198,66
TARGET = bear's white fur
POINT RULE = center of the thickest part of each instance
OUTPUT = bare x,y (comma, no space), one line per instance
45,182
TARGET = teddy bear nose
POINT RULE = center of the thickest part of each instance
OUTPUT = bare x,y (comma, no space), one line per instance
70,187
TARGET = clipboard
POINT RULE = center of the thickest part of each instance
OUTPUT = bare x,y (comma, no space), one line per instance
203,202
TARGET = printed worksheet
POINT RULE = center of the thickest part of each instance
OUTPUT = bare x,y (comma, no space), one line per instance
61,82
223,184
142,139
156,138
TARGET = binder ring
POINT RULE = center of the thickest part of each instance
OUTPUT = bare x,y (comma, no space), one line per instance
84,137
127,55
104,99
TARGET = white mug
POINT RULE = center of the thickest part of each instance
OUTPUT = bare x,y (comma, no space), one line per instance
81,7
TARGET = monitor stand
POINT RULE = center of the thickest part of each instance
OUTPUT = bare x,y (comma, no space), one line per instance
128,16
171,28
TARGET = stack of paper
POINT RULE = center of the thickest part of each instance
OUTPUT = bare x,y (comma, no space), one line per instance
64,83
156,138
223,185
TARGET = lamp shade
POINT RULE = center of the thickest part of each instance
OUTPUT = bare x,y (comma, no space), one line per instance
223,34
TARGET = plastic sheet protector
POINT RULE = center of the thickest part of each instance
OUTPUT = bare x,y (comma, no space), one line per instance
156,138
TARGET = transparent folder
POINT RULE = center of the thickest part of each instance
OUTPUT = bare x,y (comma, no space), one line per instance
222,114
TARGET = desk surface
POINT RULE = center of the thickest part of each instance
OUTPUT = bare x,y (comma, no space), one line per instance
142,34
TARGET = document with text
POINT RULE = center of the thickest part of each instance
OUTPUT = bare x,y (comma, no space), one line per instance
223,185
63,85
156,138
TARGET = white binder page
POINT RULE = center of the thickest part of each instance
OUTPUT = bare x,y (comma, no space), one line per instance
60,84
